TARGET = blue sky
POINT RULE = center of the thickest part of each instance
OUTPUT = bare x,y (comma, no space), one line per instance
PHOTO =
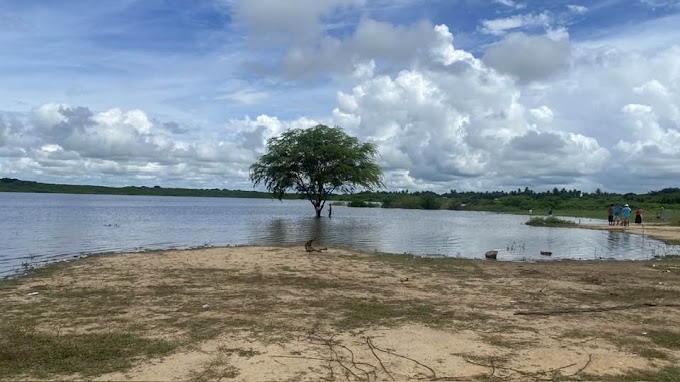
464,94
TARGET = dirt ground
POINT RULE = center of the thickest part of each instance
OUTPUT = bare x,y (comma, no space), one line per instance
283,314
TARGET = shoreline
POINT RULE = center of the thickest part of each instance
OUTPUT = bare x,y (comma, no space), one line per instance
665,233
280,313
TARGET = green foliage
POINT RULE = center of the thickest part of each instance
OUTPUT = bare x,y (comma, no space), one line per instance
550,222
315,163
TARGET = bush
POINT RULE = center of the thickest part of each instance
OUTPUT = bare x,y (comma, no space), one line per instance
550,222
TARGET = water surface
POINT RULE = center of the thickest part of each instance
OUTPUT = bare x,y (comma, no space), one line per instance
36,228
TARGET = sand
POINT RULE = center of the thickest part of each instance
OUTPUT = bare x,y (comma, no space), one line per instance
662,232
283,314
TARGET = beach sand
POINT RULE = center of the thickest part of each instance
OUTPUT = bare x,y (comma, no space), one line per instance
283,314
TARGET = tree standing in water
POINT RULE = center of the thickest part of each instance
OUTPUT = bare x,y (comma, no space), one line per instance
317,162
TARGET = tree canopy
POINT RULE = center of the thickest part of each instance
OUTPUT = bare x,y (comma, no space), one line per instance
317,162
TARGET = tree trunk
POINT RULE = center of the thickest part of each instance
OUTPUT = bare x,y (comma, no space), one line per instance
318,209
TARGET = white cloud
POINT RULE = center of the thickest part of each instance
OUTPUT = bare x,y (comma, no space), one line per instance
501,26
512,4
247,96
460,122
577,9
542,114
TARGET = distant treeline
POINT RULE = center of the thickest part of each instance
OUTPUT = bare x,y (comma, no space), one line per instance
15,185
563,202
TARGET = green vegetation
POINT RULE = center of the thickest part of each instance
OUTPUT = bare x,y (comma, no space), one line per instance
666,338
24,350
315,163
550,222
563,202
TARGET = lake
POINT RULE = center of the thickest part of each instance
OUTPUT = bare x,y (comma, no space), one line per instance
39,228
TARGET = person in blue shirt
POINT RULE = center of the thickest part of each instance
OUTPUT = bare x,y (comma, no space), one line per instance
617,214
626,215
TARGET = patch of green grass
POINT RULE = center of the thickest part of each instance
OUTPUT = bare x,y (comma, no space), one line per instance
24,351
550,222
449,265
245,353
165,290
649,353
201,328
503,341
356,313
665,374
639,345
665,338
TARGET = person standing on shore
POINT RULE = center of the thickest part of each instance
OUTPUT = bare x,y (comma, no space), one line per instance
610,214
638,216
617,214
626,215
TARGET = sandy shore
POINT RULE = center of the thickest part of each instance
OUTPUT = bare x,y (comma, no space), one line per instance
282,314
669,234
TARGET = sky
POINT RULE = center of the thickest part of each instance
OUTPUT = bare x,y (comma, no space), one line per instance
471,95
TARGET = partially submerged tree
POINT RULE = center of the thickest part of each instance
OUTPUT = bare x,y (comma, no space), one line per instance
317,162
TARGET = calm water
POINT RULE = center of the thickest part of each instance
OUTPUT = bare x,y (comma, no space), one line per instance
36,228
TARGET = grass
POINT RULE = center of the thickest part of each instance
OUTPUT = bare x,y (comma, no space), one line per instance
26,351
665,338
447,265
550,222
664,374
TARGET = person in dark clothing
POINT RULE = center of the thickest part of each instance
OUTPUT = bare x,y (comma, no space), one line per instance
610,214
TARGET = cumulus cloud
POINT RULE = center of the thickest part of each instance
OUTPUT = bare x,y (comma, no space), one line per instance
527,57
61,141
460,121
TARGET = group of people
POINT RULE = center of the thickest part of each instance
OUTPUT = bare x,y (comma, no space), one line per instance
620,215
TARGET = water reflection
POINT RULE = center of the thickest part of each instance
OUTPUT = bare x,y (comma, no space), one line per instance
326,232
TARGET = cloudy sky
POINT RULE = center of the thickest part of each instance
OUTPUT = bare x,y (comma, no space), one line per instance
456,94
